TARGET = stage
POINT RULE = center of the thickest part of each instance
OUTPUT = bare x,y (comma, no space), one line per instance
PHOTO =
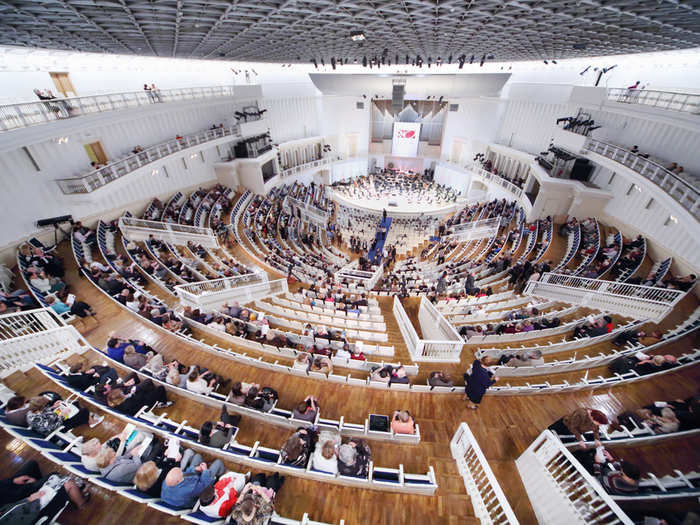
404,207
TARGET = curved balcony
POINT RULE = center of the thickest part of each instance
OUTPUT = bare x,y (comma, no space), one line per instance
22,115
98,178
683,191
683,102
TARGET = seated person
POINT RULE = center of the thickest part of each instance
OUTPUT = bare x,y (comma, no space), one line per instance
16,411
143,394
151,474
321,364
297,449
215,435
122,469
381,374
531,358
255,502
306,410
27,480
44,417
402,423
47,500
438,378
217,501
580,421
239,392
324,456
82,379
399,375
354,458
301,361
183,485
657,363
78,308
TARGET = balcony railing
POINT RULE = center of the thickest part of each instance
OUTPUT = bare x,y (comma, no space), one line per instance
684,102
496,179
561,490
490,504
114,170
310,213
629,300
22,115
469,231
210,295
178,234
325,161
685,192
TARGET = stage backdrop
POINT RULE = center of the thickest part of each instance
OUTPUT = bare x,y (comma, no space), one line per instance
405,139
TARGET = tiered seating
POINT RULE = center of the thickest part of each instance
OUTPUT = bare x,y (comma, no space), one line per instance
257,455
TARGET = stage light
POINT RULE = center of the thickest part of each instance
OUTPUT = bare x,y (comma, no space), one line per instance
546,63
322,62
554,61
471,60
364,61
407,59
483,59
313,61
357,36
449,59
333,63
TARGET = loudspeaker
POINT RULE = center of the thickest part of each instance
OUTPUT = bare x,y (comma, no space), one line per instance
582,170
55,220
397,94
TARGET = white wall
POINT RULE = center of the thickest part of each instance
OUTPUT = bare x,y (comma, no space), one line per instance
292,118
475,123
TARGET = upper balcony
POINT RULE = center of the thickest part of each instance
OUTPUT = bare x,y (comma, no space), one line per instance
681,187
25,114
668,100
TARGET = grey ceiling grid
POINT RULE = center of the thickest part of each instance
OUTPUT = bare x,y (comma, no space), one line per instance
299,30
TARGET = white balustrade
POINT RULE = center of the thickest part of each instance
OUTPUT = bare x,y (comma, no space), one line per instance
34,336
561,490
683,191
473,230
351,272
308,212
481,173
210,295
97,178
447,345
13,116
490,505
683,102
325,161
178,234
628,300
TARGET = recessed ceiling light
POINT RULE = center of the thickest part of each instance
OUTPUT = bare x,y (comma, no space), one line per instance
357,36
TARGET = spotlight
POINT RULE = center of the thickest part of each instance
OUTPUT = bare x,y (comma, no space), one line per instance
554,61
449,59
483,59
364,61
547,63
471,60
333,63
585,71
313,60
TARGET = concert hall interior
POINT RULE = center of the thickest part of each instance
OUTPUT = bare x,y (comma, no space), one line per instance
311,262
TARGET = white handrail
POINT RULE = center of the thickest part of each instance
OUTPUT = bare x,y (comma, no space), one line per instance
210,295
490,505
497,179
225,283
683,102
99,177
630,300
24,114
561,490
681,190
312,164
178,234
480,229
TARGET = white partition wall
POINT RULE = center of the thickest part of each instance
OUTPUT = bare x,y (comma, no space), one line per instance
178,234
490,504
561,491
442,343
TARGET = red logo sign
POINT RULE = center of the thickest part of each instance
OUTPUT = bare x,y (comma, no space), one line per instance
405,134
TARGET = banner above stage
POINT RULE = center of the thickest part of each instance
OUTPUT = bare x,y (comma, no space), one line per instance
405,140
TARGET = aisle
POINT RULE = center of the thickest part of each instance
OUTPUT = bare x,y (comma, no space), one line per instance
380,239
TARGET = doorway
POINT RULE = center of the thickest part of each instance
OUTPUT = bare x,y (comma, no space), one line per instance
63,83
96,152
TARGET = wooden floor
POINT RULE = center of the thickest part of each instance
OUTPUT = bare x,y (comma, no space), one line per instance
503,426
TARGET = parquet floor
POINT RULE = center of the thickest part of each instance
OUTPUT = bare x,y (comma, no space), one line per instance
503,426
